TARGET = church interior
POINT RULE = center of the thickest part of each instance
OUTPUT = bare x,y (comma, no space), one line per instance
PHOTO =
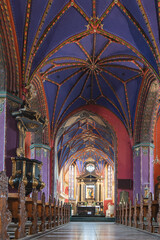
79,114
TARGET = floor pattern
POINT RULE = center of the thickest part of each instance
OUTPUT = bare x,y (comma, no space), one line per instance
96,231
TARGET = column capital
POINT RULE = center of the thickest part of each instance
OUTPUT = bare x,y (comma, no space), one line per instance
38,145
143,144
11,97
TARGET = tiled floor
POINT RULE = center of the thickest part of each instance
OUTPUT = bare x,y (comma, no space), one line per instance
96,231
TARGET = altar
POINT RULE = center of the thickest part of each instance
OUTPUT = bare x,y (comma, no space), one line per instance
90,196
86,211
89,210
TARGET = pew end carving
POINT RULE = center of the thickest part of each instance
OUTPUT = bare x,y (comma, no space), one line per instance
21,216
5,214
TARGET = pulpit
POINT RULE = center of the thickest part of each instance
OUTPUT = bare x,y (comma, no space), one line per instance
24,169
27,171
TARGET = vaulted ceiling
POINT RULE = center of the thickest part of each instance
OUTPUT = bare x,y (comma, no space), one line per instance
93,51
84,140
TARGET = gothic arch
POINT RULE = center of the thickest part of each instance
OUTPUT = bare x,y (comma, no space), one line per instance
83,114
146,109
9,47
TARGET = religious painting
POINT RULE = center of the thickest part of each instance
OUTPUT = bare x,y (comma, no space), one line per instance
89,191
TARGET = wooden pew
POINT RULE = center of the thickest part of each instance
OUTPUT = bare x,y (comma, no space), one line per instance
131,213
54,213
145,216
149,214
49,213
41,213
68,213
28,203
136,214
64,213
16,204
57,214
61,213
122,213
141,214
5,214
117,214
29,215
34,213
22,213
126,214
153,209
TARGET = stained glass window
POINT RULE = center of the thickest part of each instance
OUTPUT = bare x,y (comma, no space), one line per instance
71,182
109,182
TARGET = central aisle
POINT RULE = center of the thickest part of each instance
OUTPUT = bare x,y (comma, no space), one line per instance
96,231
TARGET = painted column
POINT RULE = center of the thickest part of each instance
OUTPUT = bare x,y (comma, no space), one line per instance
102,191
143,170
41,152
2,135
9,133
82,191
97,186
78,191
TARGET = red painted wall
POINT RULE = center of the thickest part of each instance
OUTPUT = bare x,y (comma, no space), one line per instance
124,143
157,150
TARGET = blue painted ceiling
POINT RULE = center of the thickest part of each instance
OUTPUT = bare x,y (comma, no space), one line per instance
93,51
84,141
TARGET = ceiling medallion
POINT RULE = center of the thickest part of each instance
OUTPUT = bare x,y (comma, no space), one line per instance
90,167
93,66
91,101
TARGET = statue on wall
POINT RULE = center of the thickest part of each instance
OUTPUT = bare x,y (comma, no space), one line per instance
124,197
146,191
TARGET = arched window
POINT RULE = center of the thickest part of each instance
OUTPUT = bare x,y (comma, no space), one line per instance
71,182
109,182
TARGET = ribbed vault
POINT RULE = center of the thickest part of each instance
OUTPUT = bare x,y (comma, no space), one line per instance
95,52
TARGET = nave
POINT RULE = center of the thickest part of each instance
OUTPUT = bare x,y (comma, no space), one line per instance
97,231
79,119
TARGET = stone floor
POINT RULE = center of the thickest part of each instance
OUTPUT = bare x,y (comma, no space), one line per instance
96,231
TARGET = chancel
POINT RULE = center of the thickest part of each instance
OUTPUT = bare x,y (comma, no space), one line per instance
79,118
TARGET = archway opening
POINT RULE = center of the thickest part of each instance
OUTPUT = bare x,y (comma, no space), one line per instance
85,164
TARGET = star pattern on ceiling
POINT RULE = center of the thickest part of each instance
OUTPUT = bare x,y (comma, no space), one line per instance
93,52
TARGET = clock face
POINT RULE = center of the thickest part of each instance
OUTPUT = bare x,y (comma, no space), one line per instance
90,167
